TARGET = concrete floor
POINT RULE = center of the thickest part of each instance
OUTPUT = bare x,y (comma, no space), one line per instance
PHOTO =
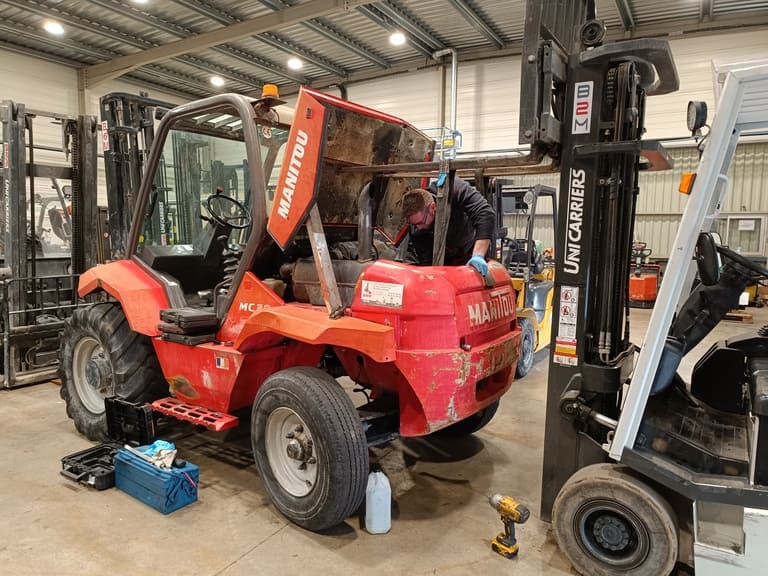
442,522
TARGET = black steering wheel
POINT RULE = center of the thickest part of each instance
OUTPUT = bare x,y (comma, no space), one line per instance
753,267
220,207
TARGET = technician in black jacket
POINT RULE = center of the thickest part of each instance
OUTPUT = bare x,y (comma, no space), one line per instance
470,228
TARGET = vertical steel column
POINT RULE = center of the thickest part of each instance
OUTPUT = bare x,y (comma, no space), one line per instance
14,226
15,193
84,194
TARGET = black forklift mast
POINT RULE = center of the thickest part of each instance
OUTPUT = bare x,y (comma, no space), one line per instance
128,130
37,289
584,102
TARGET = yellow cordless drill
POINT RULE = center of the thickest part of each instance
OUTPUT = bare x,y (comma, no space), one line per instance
511,512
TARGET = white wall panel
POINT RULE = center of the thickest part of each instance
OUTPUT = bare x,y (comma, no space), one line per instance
489,91
660,205
695,58
41,85
414,97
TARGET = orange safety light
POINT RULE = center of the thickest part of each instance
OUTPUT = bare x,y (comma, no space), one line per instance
270,91
686,182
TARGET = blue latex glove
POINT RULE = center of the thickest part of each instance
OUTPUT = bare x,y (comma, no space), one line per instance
478,263
158,445
441,179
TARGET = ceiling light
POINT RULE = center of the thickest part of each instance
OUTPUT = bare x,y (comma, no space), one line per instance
53,27
295,64
397,38
217,81
140,1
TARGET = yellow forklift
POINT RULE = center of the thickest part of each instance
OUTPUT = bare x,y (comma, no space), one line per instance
531,267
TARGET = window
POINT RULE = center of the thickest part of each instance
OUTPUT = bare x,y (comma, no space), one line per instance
744,234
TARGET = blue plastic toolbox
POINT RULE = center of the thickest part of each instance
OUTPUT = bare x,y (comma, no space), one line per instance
164,490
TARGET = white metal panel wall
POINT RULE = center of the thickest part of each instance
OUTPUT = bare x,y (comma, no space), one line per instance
489,91
660,205
41,85
542,230
696,58
414,97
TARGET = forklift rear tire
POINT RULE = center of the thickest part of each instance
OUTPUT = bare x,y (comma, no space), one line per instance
607,522
101,356
527,347
310,448
471,424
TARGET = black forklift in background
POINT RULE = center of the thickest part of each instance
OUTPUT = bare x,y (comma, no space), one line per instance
128,128
642,471
48,212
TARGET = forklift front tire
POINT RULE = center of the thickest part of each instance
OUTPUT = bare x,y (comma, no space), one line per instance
101,356
607,522
527,347
310,448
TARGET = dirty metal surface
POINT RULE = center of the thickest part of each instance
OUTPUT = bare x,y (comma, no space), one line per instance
355,139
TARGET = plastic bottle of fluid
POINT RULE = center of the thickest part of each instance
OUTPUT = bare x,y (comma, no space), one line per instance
378,504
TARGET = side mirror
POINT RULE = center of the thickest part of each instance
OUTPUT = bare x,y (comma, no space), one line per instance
707,259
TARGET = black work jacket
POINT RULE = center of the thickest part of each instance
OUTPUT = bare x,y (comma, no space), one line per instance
472,218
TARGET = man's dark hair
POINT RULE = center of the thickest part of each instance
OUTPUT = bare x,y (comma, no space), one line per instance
415,201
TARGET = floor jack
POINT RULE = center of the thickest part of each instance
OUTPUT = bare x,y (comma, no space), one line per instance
511,512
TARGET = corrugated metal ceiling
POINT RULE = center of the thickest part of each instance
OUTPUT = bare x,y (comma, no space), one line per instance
338,41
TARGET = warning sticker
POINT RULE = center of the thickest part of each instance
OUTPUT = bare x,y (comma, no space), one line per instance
565,346
565,351
565,343
105,136
566,360
382,294
569,307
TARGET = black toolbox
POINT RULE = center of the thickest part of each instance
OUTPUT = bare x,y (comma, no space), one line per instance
127,423
93,466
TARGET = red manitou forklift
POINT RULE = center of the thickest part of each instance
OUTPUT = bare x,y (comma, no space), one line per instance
238,288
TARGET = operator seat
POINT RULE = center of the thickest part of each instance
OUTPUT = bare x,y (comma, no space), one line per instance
517,257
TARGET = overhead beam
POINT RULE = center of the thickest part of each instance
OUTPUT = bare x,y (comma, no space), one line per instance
477,22
414,28
287,17
693,26
270,39
281,44
74,21
256,62
251,59
142,44
46,40
322,27
625,13
12,29
379,18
